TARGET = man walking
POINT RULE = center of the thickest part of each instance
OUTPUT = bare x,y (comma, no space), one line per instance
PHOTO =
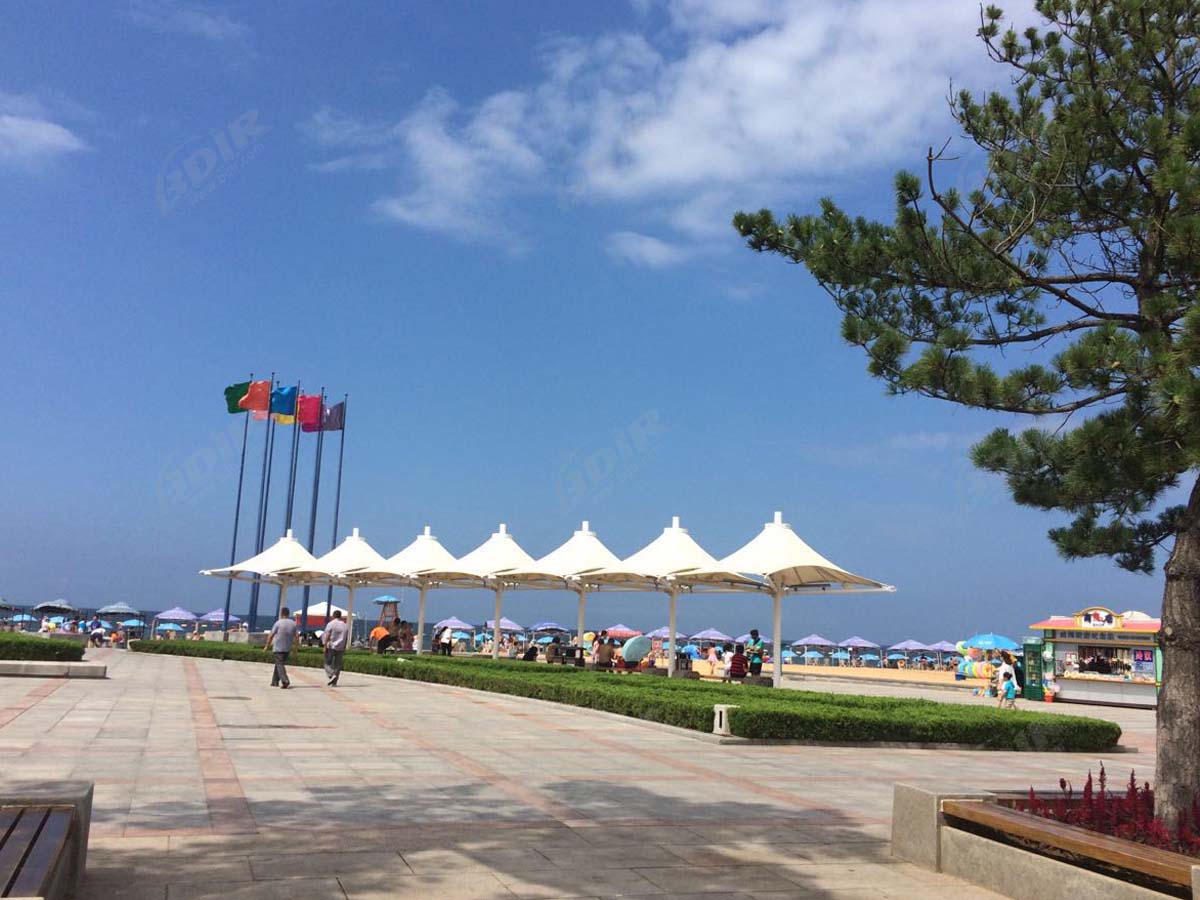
279,642
334,639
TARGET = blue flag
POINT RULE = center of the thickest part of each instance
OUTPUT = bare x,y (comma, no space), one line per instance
283,404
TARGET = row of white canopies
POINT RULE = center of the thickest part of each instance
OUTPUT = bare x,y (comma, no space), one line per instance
776,562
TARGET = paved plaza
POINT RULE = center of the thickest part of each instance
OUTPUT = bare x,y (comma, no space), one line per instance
210,784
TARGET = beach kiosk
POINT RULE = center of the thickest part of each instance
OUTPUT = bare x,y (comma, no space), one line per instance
1102,656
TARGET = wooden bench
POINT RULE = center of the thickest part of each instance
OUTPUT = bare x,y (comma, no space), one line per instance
1174,868
34,856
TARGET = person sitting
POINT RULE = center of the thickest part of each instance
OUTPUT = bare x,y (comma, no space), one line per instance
530,654
739,663
553,650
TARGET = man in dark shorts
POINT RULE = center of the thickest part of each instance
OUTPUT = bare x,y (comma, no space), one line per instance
754,652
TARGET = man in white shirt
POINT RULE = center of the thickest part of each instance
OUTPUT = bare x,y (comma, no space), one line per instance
335,639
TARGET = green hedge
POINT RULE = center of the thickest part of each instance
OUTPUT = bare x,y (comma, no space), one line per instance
762,712
15,645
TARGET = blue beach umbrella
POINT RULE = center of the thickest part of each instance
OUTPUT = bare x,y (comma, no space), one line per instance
788,654
812,654
169,626
871,656
990,641
545,639
636,648
460,636
841,654
24,617
133,623
895,656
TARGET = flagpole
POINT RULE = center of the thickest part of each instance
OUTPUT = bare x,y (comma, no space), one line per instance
312,516
337,501
237,514
291,495
262,502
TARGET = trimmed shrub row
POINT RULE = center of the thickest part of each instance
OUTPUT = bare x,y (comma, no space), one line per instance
15,645
762,713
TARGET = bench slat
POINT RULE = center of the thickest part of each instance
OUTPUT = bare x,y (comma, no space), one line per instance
8,818
34,877
12,853
1163,864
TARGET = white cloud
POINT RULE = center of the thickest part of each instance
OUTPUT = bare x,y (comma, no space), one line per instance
644,250
28,136
190,20
737,103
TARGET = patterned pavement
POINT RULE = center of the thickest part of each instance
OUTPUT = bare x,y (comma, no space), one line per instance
210,784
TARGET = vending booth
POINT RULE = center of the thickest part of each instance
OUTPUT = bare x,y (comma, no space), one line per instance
1101,656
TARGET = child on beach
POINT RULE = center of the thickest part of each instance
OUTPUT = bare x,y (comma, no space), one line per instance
1008,693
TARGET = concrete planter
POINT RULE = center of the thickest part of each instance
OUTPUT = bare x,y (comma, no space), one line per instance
922,835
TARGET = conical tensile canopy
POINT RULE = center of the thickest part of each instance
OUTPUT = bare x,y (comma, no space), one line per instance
424,554
778,555
560,568
352,555
284,561
582,552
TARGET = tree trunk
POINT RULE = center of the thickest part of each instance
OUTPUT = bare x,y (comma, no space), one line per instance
1178,733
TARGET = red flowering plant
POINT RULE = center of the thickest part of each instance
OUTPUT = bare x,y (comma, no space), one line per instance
1128,815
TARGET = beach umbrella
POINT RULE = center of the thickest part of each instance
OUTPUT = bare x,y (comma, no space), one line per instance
857,643
665,632
943,647
546,639
813,640
872,657
217,616
454,622
909,646
176,614
840,654
712,634
58,620
895,656
385,600
671,564
789,654
990,641
621,632
118,609
505,625
785,563
744,638
691,650
106,625
24,617
483,567
636,648
169,626
460,636
547,626
133,623
6,606
561,568
813,654
58,606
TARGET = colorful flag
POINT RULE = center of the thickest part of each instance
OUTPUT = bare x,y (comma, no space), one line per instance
256,399
233,397
334,417
309,412
283,405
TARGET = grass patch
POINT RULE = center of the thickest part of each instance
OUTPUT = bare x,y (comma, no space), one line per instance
16,645
762,712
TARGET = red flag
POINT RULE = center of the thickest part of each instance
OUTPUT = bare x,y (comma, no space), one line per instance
258,397
308,413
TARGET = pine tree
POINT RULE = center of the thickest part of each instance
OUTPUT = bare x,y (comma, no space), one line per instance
1064,286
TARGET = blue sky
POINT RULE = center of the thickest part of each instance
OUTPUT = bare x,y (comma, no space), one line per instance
503,230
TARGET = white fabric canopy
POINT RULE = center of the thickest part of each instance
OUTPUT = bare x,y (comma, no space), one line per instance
424,554
583,551
284,561
352,555
787,563
324,608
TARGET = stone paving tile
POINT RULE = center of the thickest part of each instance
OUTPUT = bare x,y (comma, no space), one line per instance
547,805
